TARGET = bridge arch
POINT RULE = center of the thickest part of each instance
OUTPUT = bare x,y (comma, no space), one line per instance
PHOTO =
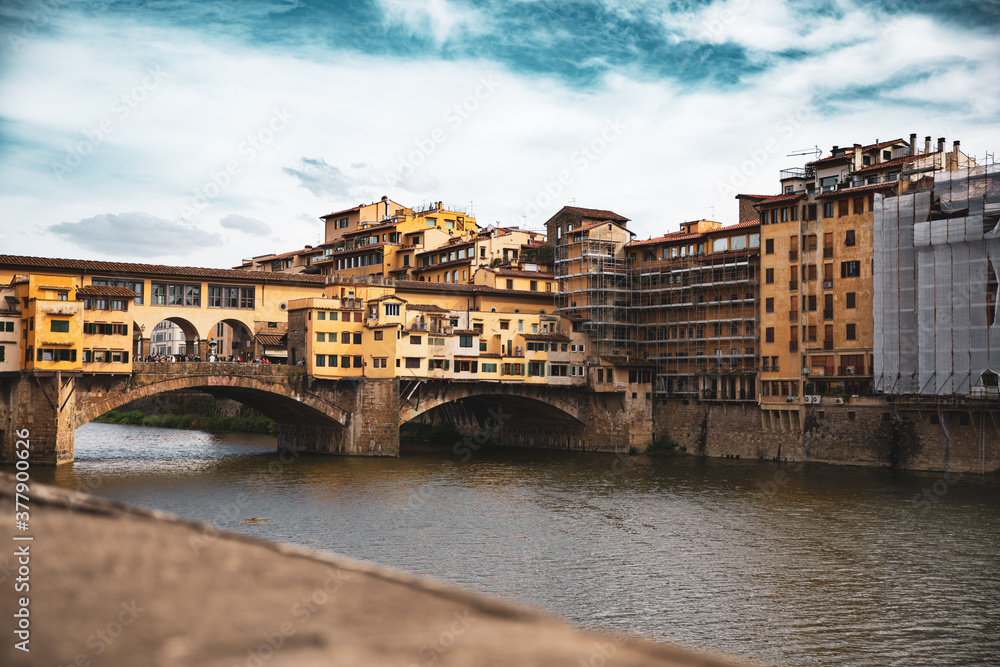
276,400
232,337
535,399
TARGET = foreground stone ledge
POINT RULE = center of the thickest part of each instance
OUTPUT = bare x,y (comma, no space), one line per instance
115,585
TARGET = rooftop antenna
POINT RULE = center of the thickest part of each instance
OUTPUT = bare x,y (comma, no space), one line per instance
814,151
713,213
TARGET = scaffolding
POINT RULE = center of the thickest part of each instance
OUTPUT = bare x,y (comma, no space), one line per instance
596,288
937,258
696,319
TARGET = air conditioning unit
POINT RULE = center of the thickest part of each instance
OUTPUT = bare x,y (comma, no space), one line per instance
838,401
850,370
282,306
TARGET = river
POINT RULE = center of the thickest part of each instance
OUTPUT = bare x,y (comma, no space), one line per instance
790,564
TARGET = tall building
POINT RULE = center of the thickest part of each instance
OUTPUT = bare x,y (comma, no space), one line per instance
694,309
816,262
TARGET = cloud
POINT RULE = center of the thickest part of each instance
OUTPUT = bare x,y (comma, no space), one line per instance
326,180
246,225
134,235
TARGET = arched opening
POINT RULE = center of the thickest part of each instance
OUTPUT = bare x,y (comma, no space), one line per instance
486,421
173,338
232,340
138,353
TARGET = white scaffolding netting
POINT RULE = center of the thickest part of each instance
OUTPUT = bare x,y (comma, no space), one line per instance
937,255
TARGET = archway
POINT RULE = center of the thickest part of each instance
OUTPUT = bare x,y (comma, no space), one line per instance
488,418
174,337
231,338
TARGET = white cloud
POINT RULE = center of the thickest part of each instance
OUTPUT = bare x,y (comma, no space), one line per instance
134,235
245,224
438,18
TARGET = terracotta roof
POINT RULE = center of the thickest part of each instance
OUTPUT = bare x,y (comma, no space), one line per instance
386,297
883,144
681,236
594,225
374,228
106,290
445,248
851,192
781,198
488,355
432,267
125,268
465,332
894,163
523,274
346,210
595,213
272,340
426,307
745,196
833,159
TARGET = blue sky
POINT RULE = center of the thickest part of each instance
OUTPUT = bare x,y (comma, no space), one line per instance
202,133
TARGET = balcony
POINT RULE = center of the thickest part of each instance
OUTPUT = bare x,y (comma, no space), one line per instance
797,172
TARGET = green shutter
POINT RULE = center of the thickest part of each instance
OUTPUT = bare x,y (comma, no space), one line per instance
1,352
446,364
72,355
124,357
475,366
39,354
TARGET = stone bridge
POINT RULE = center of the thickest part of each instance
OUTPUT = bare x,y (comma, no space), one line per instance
353,416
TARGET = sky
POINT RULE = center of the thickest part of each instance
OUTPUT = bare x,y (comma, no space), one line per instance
202,133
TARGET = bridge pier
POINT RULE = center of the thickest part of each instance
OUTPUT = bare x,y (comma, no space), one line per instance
45,406
372,428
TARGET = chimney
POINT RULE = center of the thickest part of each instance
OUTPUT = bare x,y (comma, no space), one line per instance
927,144
940,147
857,156
955,152
913,143
835,147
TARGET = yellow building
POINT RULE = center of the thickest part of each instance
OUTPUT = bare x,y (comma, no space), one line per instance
816,319
10,330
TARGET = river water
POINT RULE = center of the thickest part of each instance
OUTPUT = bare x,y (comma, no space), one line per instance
790,564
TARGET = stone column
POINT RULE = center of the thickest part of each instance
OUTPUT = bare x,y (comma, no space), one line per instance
35,407
203,350
145,347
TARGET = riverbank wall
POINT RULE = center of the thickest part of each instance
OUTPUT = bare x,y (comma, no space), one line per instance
960,436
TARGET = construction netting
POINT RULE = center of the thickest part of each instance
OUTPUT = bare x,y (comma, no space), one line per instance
936,262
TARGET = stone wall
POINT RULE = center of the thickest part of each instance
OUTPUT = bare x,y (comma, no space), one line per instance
949,438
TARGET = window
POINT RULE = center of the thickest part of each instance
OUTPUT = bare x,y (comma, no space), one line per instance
59,326
754,241
769,276
359,361
334,317
809,243
828,209
357,338
345,361
795,213
7,326
228,296
850,298
135,286
378,336
392,310
321,315
534,286
505,324
488,368
345,337
769,335
719,245
465,341
510,284
769,246
769,305
415,340
852,332
331,360
842,208
850,269
320,337
321,360
849,238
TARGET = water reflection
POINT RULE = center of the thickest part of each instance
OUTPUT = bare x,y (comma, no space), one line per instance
799,565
